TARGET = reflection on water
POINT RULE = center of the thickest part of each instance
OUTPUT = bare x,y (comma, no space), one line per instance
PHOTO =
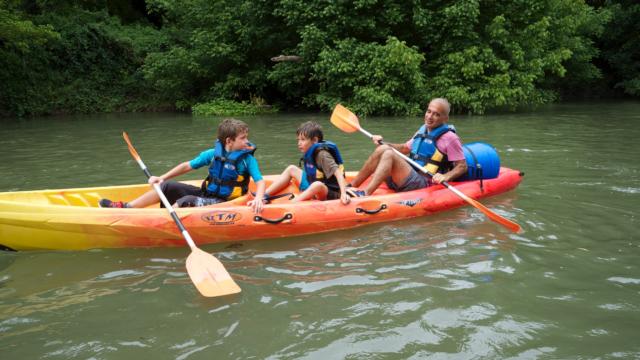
452,285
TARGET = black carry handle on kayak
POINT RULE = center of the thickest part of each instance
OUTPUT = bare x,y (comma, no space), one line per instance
268,198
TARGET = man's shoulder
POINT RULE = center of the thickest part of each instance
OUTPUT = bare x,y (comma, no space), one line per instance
451,145
449,141
450,135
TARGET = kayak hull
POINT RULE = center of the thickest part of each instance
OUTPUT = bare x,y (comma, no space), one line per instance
69,219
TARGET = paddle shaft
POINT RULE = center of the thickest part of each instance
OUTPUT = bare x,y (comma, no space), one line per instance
166,203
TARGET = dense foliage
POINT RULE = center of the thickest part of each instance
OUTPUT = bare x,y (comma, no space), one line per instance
376,56
620,46
221,107
63,57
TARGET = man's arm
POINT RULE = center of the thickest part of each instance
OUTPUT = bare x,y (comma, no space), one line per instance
451,145
377,139
459,169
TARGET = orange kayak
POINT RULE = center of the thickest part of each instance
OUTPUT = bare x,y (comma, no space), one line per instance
69,219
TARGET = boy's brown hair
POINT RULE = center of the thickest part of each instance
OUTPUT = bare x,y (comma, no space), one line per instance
310,129
231,128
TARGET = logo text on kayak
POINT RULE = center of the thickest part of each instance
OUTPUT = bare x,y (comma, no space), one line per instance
221,217
410,202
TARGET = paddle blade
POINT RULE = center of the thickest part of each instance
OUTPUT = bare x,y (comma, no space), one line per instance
209,275
132,150
344,119
485,210
496,218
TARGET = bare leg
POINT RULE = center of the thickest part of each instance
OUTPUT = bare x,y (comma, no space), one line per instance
317,189
369,166
291,172
146,199
389,164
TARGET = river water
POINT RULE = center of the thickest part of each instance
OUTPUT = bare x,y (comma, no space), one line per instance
450,286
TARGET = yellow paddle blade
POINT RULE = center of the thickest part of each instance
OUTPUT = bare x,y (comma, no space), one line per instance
209,275
344,119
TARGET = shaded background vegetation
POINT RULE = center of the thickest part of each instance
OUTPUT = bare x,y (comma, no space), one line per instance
378,57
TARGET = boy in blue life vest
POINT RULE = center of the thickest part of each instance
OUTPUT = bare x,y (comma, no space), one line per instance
230,162
322,173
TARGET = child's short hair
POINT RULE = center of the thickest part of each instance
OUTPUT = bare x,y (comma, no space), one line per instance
231,128
310,129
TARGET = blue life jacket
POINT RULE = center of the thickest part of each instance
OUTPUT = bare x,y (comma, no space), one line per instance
310,169
424,147
224,181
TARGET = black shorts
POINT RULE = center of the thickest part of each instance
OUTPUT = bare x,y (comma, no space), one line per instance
185,195
332,194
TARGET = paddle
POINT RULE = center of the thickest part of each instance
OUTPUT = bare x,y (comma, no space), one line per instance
347,121
206,272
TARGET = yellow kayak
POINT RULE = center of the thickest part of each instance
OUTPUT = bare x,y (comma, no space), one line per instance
70,219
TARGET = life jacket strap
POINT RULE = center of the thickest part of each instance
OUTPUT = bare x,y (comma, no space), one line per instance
225,159
244,184
232,183
418,157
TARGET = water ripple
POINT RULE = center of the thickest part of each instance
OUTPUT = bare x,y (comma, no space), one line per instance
624,280
349,280
627,190
402,267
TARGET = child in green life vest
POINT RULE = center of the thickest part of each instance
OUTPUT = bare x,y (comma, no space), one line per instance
321,175
230,163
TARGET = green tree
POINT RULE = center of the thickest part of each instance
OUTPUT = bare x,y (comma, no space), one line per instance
68,56
377,56
481,55
370,78
24,65
509,53
357,53
620,45
219,50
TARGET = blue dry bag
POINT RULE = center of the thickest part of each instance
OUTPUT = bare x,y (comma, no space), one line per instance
483,161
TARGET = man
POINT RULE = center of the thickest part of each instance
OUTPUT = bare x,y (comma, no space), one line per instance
445,160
